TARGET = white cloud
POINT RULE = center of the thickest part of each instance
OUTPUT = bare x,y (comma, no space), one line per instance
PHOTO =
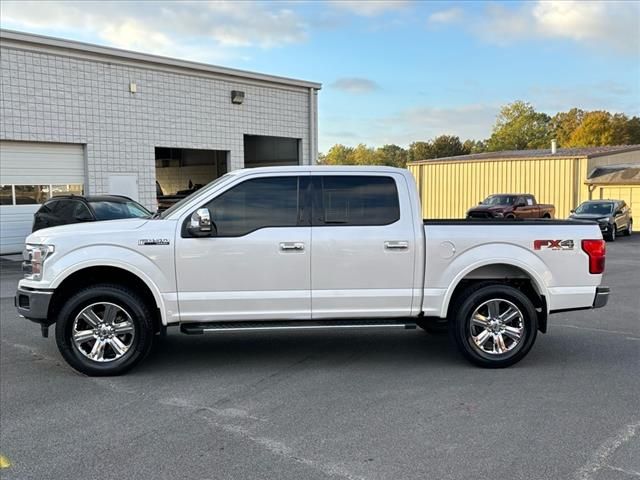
355,85
609,25
199,29
410,125
369,8
450,15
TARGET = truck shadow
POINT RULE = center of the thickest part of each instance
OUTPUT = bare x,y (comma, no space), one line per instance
176,351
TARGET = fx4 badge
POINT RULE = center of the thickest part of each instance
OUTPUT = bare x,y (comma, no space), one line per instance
553,244
153,241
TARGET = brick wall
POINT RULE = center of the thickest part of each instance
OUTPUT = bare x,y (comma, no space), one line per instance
50,97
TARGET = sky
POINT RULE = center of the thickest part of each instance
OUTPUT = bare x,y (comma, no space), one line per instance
392,71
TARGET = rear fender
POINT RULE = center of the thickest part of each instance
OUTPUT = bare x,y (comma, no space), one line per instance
485,255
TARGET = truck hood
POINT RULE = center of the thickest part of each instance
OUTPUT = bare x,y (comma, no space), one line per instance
97,229
489,208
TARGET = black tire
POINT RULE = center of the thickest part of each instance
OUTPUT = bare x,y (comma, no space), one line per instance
612,236
546,215
434,326
510,216
125,299
460,329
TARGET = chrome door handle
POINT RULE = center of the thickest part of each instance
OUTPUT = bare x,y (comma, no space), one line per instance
287,246
396,245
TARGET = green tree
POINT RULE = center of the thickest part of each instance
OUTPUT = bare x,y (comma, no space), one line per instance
633,130
338,155
392,156
447,146
520,127
563,124
600,128
419,151
474,146
364,155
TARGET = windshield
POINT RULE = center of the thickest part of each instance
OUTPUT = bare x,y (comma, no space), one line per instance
500,200
181,202
107,210
596,208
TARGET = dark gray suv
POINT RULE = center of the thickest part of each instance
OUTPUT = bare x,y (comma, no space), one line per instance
613,216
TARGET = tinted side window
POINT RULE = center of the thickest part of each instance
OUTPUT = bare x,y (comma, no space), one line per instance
72,211
254,204
355,200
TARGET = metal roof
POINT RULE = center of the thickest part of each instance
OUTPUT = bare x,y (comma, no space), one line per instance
615,175
10,36
582,152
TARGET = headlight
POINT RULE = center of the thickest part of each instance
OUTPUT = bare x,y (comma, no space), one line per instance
604,220
34,257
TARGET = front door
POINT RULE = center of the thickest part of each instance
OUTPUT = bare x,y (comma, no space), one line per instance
257,266
363,246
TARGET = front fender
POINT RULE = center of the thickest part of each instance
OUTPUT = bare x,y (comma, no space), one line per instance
494,254
151,270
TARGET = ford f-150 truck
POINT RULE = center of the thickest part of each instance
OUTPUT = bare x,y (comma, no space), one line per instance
287,248
511,205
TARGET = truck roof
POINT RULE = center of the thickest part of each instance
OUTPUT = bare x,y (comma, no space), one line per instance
321,168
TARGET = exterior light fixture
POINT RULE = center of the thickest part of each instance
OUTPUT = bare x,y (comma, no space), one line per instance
237,97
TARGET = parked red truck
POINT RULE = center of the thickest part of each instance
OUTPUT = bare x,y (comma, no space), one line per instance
511,205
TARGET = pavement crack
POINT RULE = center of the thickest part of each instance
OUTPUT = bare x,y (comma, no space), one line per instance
631,473
600,457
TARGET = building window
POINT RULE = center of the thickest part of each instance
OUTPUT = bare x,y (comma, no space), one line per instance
6,194
35,194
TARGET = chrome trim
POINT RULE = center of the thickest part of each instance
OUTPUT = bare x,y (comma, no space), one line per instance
396,245
291,246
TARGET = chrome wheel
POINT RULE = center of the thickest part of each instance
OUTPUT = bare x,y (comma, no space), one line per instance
103,332
497,326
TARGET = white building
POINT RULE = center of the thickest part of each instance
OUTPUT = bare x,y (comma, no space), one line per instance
76,117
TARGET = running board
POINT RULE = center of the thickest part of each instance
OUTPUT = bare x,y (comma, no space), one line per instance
271,326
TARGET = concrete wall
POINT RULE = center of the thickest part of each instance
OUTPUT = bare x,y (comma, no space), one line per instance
49,95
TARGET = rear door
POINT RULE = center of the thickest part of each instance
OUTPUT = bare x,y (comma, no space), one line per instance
362,246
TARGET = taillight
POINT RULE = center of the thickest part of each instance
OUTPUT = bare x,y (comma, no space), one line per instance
596,250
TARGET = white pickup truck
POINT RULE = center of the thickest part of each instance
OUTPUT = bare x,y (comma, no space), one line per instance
302,248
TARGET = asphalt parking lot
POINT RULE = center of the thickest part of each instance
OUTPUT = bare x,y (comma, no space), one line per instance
351,405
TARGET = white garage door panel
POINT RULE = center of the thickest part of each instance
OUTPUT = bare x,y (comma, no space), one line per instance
33,163
16,223
30,163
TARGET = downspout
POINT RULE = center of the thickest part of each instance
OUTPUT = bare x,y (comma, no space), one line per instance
313,145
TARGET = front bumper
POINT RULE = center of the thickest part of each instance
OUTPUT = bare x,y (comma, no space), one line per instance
33,304
602,297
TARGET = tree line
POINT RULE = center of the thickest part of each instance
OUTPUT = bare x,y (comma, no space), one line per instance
518,126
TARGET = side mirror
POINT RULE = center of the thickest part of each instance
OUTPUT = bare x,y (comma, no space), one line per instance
572,211
200,224
479,203
520,204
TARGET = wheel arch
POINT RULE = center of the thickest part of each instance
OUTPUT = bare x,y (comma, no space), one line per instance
86,275
502,271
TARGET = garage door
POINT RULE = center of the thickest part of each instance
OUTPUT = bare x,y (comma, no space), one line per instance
30,173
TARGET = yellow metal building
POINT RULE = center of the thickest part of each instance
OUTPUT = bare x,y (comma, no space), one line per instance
450,186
